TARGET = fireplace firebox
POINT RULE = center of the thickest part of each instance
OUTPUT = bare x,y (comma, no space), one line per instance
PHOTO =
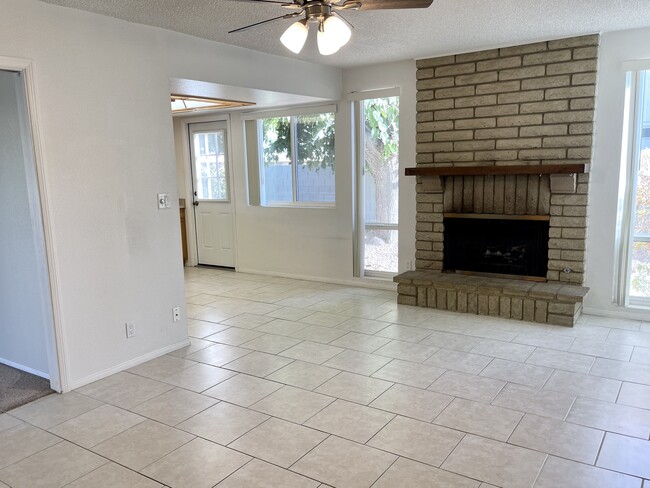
512,247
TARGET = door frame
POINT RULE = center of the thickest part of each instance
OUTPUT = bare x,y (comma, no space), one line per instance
190,220
55,341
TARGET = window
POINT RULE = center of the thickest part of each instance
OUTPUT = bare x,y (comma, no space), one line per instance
378,192
636,234
296,160
209,153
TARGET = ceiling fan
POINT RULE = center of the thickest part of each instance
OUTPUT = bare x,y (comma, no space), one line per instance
333,30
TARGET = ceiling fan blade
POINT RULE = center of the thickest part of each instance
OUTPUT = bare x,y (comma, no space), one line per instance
287,16
278,2
384,4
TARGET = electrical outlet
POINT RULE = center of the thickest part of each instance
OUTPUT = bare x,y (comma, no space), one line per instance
176,313
130,329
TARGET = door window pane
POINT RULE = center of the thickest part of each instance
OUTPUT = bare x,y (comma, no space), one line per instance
210,165
380,182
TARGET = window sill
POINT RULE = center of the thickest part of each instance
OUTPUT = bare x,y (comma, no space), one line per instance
300,205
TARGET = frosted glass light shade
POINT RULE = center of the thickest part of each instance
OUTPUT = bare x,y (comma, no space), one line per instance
294,37
333,34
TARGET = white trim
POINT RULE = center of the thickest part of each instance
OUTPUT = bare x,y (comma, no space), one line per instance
27,369
378,284
290,111
631,313
636,65
127,364
59,379
370,94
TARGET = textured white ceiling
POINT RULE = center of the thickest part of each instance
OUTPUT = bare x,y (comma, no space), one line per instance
448,26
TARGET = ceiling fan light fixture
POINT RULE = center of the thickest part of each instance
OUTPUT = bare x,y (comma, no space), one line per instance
333,34
295,36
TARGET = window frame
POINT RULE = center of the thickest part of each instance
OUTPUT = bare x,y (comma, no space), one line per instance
293,115
630,158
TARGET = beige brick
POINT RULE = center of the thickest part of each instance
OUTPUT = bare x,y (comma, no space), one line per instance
572,255
423,227
562,265
546,82
424,73
422,246
438,207
505,133
579,153
441,299
571,92
498,64
477,78
582,188
424,158
533,154
568,117
523,96
458,113
520,73
434,147
428,198
584,79
453,157
480,123
483,308
406,300
555,210
495,155
424,207
571,67
552,275
568,222
472,303
517,308
540,311
554,232
406,289
477,101
578,129
454,135
431,297
475,146
461,91
435,83
571,211
461,302
477,56
498,110
521,143
525,49
452,300
429,236
499,87
424,137
543,130
555,253
422,96
519,120
583,103
428,217
457,69
434,126
574,233
585,53
424,117
567,244
493,305
568,199
422,297
529,310
567,141
434,62
547,57
542,107
590,40
428,105
504,307
562,320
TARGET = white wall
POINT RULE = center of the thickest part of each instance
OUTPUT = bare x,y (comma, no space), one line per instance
24,296
616,48
103,96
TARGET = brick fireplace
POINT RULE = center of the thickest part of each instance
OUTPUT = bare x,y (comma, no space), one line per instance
504,139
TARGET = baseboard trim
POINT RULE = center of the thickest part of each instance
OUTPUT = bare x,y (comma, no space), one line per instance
375,283
623,313
24,368
73,385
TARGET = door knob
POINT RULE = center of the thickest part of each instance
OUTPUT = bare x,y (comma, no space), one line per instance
196,204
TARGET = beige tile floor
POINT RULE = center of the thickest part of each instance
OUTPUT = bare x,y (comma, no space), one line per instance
291,383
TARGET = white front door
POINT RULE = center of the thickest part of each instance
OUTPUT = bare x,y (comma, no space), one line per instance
213,208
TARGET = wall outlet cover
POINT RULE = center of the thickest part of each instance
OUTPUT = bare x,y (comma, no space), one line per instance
130,329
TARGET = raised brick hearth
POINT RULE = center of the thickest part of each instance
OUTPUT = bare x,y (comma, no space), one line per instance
521,106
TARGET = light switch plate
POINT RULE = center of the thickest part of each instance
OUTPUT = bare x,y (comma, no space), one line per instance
163,200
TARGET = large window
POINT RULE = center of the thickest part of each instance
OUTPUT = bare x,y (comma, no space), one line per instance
636,228
296,160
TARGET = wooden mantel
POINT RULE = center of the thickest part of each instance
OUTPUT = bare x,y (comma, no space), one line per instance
529,169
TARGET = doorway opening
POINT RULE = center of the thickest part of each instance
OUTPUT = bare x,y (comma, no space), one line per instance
28,353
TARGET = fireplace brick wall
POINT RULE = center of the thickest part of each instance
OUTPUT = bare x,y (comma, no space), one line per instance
522,105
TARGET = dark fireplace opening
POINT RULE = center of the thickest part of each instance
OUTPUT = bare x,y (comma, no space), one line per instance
501,246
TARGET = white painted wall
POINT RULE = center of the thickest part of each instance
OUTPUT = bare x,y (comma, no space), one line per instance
102,89
24,292
616,48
